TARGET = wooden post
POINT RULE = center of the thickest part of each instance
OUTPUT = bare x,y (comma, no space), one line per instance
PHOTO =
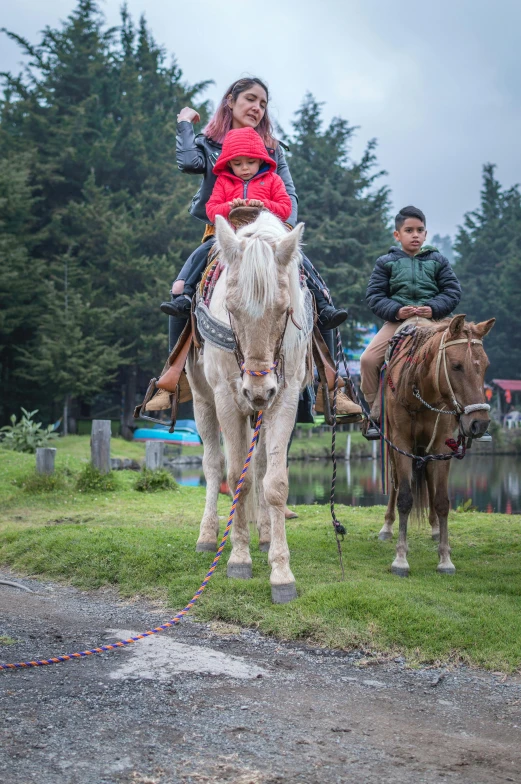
348,447
375,450
45,459
154,451
100,445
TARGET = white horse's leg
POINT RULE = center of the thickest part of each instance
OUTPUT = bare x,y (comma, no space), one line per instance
237,434
213,467
263,516
275,487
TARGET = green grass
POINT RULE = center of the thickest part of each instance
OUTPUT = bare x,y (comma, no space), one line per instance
143,543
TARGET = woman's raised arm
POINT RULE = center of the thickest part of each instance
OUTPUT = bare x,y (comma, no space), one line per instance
190,158
285,175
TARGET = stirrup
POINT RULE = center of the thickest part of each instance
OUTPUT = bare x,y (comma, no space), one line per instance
329,419
140,411
370,432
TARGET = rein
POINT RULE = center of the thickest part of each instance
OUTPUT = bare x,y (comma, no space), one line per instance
442,356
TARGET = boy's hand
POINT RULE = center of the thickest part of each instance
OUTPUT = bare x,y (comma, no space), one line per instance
424,311
406,312
255,203
238,203
188,114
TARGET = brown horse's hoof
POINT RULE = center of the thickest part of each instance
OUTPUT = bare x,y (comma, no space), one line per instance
435,537
264,547
239,571
205,547
400,571
385,535
446,570
282,594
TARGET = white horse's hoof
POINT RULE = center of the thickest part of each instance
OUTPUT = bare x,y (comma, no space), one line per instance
239,571
264,547
385,535
446,569
282,594
400,571
205,547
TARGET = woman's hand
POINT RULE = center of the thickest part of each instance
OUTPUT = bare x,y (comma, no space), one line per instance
238,203
255,203
188,114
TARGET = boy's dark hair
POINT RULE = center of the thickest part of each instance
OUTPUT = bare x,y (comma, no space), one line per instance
408,212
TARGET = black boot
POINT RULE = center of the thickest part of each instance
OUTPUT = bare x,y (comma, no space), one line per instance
179,307
330,317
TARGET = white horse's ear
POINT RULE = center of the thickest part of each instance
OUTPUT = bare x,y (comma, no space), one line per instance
484,327
226,239
289,245
456,325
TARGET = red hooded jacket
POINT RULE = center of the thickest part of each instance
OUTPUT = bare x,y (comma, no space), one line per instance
266,186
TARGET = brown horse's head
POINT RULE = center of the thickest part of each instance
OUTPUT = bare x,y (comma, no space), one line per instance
262,284
461,373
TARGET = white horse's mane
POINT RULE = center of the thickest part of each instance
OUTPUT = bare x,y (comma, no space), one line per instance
258,278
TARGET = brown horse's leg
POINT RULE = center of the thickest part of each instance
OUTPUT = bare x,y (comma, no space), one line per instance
441,504
390,516
433,517
400,565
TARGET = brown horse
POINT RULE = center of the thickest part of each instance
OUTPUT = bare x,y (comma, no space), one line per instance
442,367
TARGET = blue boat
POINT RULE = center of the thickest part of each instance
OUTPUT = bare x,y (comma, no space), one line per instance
185,433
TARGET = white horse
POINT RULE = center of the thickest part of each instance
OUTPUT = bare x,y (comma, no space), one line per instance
259,296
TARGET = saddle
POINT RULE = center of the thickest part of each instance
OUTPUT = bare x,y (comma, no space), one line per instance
172,387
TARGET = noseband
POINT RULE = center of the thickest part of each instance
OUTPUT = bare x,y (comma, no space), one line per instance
458,408
278,359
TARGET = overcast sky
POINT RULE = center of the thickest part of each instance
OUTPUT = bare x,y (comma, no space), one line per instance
436,81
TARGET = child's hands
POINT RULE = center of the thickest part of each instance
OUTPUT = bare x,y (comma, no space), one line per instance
425,311
188,114
406,312
238,203
255,203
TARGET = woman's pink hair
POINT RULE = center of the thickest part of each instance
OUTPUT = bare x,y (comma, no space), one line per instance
221,122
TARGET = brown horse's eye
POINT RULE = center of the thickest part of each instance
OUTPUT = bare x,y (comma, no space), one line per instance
457,366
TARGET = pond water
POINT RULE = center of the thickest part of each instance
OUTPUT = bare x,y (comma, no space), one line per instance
493,483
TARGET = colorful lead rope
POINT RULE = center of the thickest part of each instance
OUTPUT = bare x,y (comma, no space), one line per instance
175,620
258,372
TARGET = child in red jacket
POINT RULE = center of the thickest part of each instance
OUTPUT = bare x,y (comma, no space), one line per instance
246,176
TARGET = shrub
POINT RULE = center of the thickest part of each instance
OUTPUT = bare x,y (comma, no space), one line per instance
91,480
149,481
43,483
26,435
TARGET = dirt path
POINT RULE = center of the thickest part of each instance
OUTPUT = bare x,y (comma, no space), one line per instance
201,704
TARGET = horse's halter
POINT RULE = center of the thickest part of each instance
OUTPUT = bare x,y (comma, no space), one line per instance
442,356
278,359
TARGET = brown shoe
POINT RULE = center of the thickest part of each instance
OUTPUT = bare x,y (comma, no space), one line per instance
160,401
344,405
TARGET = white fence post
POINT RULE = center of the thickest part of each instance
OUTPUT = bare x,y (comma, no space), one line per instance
45,459
154,451
348,447
100,445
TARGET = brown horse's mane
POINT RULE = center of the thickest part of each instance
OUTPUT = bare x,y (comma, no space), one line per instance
411,358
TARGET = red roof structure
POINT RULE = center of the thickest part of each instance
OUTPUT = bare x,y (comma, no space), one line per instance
513,385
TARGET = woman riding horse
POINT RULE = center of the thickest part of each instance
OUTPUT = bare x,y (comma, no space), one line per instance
244,104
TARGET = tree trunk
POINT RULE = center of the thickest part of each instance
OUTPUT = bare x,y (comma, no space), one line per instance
66,416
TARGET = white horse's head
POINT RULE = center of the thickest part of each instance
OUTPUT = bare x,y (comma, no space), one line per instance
262,285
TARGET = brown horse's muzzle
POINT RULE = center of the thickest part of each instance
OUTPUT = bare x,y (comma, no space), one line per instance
475,424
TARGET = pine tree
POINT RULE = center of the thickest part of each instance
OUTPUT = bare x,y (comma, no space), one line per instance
345,212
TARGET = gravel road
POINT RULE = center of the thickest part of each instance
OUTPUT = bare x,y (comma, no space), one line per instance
214,703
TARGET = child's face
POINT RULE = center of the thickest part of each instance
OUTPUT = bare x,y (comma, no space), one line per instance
411,234
245,167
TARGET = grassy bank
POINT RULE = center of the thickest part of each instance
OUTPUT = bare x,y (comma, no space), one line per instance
144,544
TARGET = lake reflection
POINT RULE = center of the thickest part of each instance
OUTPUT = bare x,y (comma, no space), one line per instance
493,483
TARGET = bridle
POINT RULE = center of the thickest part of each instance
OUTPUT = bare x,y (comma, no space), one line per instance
442,358
278,363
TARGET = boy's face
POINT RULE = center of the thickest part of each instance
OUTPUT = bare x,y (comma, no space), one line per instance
411,234
245,167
